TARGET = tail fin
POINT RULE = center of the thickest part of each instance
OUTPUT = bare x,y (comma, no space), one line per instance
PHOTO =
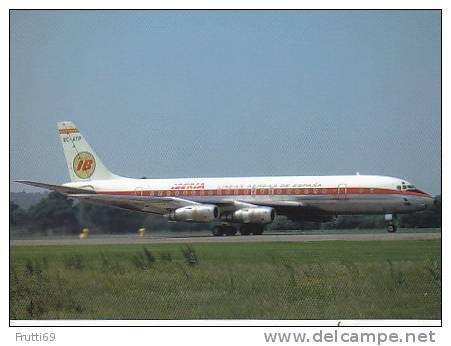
82,161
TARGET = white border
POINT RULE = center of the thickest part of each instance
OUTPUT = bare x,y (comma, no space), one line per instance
207,336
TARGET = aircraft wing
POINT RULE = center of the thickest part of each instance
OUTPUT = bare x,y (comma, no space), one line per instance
161,205
156,205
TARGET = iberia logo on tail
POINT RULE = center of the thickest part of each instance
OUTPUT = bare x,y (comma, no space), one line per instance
84,165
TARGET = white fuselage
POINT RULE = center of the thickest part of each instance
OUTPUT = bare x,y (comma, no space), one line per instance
356,194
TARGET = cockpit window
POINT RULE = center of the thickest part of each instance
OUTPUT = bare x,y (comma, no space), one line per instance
417,190
411,188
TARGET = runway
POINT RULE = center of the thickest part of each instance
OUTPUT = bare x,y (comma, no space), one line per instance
132,239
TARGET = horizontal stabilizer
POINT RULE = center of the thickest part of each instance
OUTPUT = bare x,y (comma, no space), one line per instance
57,188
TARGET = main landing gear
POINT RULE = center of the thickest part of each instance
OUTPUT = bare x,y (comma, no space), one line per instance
220,230
254,229
391,227
245,229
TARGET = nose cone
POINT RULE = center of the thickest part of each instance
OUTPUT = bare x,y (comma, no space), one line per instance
426,202
421,203
429,202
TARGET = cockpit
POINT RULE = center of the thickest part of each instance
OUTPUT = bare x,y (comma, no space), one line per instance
408,187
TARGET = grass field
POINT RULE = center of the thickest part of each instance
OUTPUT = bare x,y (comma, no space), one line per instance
311,280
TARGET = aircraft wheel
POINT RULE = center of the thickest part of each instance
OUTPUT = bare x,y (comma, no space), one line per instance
218,231
258,230
391,228
244,230
230,230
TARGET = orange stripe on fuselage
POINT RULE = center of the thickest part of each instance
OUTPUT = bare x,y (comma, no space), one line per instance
265,192
66,131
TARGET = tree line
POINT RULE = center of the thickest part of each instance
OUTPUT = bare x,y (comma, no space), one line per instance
57,214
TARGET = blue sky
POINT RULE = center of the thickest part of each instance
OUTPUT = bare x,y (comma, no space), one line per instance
188,94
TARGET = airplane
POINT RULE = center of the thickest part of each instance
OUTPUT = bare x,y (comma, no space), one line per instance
244,203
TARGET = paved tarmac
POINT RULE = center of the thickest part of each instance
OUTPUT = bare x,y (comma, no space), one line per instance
134,239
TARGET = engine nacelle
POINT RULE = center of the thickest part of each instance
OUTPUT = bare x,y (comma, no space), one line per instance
195,213
259,215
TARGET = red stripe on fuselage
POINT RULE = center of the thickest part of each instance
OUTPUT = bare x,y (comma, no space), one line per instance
266,192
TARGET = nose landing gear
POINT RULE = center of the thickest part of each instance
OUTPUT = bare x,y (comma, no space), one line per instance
391,227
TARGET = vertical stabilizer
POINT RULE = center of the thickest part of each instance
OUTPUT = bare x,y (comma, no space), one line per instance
82,162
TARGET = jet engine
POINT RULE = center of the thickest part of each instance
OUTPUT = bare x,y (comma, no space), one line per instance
196,213
259,215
